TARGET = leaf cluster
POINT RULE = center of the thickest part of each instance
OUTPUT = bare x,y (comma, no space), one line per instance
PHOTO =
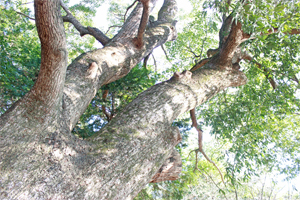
19,53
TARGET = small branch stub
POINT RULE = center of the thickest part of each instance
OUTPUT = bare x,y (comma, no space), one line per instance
185,74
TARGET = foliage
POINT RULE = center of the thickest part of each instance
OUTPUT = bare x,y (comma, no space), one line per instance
183,53
84,11
19,53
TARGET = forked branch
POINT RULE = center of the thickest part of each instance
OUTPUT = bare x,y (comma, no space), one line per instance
200,143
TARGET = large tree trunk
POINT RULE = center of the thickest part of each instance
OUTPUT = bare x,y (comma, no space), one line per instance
41,159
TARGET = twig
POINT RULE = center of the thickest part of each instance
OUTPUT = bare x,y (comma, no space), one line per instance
165,52
114,26
200,143
191,51
146,60
128,9
155,64
25,15
196,165
214,182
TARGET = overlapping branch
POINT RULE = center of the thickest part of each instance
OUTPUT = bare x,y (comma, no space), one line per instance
144,21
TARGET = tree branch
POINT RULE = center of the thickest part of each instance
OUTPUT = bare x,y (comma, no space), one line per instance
200,64
165,52
101,37
128,9
104,96
200,142
138,41
155,64
146,60
234,39
25,15
266,70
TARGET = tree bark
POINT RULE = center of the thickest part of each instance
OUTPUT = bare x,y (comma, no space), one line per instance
41,159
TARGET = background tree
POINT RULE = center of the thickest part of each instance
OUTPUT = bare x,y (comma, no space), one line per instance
259,121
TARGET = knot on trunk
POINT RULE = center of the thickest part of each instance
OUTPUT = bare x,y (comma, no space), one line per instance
170,170
92,70
185,75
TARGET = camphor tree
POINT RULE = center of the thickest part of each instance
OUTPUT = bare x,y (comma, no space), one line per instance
42,159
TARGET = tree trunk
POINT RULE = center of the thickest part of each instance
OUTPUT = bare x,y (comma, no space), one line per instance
41,159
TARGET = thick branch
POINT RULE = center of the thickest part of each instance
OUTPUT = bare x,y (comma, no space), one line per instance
97,68
49,84
234,39
131,25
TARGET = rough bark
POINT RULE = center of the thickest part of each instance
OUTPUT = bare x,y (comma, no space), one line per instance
41,159
170,170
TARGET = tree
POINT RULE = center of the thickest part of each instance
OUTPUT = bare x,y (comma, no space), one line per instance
41,159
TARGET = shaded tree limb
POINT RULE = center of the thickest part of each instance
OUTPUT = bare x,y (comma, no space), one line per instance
112,113
234,39
166,54
96,33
